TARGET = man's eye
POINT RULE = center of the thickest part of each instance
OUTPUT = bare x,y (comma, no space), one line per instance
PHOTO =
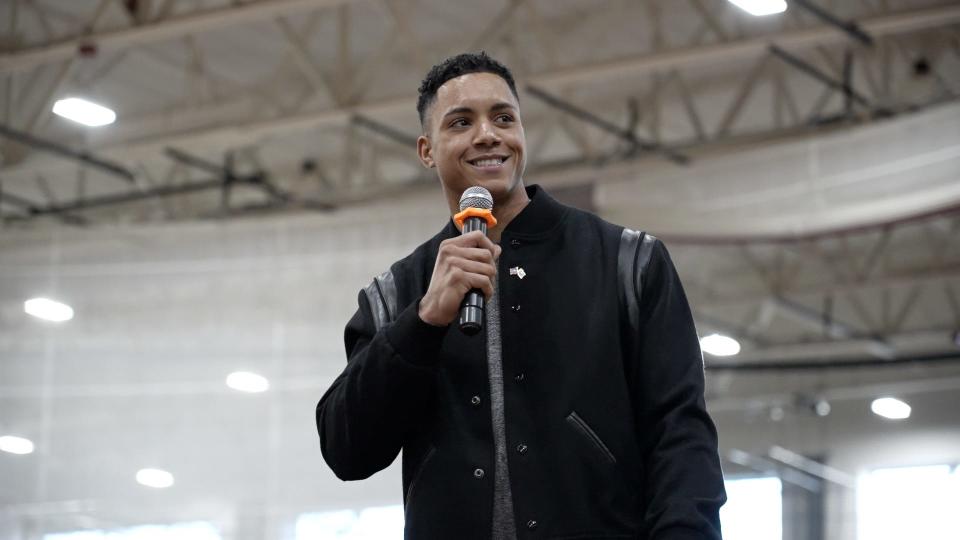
504,118
459,122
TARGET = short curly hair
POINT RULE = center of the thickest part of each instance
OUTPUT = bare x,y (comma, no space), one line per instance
454,67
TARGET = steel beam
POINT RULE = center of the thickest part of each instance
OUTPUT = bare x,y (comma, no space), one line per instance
389,132
126,197
809,69
824,364
667,60
84,158
626,135
167,29
851,28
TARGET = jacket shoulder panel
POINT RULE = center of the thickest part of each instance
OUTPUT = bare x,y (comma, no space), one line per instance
391,291
381,294
633,259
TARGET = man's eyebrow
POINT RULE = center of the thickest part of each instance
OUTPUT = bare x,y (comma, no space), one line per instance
457,110
499,106
502,105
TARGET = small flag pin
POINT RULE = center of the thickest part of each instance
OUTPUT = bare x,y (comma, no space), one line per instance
517,271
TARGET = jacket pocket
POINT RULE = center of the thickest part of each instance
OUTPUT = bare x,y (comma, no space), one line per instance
418,473
584,429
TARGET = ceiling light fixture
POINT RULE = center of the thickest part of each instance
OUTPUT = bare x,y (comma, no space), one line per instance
245,381
891,408
84,112
719,345
821,407
48,310
16,445
760,8
155,478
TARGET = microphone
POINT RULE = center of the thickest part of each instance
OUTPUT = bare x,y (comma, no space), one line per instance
476,214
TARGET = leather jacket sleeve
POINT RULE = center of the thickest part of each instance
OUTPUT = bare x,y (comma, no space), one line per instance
388,383
683,481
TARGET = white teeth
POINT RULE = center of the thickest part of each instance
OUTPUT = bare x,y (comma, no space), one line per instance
488,162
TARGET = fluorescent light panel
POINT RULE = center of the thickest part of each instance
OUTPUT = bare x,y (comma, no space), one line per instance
891,408
16,445
48,310
760,8
84,112
719,345
155,478
245,381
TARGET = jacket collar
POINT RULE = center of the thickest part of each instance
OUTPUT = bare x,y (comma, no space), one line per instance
539,217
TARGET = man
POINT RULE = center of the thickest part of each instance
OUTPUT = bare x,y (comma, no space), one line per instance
578,412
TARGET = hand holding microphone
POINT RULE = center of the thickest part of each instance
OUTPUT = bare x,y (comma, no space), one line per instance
465,268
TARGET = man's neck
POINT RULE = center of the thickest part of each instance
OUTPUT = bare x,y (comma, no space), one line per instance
506,212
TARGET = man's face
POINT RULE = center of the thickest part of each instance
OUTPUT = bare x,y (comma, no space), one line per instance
474,136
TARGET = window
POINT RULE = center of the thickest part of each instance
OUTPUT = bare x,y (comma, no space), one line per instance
179,531
376,523
908,502
754,509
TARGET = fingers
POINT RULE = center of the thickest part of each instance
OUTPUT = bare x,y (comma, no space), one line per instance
479,281
462,280
463,263
475,239
471,254
474,267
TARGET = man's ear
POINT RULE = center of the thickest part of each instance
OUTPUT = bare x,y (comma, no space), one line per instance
425,152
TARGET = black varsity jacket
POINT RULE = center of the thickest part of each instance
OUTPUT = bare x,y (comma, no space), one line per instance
606,428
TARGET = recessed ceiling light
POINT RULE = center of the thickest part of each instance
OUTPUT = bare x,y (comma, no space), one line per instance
761,7
155,478
84,112
47,309
777,413
891,408
16,445
822,407
245,381
719,345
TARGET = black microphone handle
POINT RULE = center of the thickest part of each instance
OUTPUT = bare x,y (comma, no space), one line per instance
471,309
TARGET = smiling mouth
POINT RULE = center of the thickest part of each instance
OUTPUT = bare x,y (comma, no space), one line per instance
488,162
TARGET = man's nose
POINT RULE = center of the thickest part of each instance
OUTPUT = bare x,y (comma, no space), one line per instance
486,134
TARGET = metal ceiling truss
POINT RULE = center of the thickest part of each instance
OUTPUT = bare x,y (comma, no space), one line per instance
858,84
881,290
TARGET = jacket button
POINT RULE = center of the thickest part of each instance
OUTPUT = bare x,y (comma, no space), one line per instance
515,308
475,400
519,377
521,449
532,524
515,243
478,473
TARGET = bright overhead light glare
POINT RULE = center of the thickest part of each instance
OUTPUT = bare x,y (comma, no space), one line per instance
891,408
48,310
84,112
16,445
719,345
155,478
245,381
760,8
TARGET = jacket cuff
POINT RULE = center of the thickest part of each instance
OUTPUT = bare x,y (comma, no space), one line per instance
413,339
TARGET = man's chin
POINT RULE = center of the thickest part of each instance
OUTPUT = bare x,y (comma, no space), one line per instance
500,188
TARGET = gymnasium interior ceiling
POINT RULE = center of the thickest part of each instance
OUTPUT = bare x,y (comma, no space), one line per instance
804,171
